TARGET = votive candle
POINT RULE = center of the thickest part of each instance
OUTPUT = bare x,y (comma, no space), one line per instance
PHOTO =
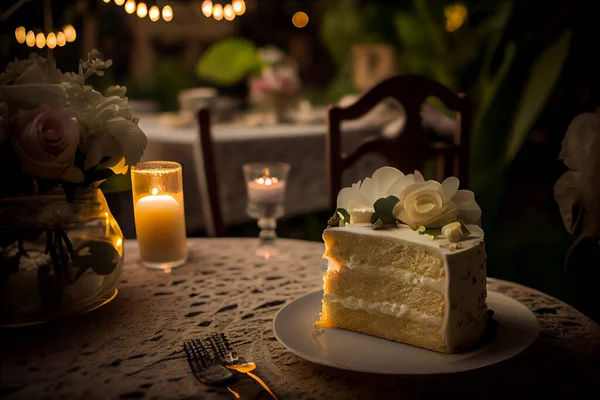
159,214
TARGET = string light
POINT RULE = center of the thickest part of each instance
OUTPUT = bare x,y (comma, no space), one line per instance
51,40
61,40
154,14
40,40
300,19
239,6
30,39
167,13
218,12
207,8
228,12
70,34
142,10
130,6
20,34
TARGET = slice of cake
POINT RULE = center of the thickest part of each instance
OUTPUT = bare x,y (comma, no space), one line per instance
406,262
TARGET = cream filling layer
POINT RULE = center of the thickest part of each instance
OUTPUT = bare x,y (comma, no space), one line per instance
400,311
435,285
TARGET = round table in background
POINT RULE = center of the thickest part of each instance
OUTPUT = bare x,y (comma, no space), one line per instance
131,348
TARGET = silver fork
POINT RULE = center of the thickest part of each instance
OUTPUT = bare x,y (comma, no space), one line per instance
204,367
222,349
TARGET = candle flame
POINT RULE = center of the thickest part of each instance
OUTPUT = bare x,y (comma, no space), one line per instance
155,191
266,179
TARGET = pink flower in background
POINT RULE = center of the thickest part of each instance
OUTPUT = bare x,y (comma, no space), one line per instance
274,81
46,142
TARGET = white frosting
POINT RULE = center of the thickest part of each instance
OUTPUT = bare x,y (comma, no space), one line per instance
400,311
464,288
406,234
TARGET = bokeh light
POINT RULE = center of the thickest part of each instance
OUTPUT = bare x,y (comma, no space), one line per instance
20,34
30,39
40,40
154,13
167,13
218,12
239,6
207,7
51,40
142,10
228,12
300,19
130,6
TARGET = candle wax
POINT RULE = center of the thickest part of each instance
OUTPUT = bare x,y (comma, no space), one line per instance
160,228
261,192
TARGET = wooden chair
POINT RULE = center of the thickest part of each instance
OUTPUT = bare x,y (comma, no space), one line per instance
207,179
409,150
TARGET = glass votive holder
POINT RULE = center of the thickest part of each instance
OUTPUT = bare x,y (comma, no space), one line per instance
265,187
157,188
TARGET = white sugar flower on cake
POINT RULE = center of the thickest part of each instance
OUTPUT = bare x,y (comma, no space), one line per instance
360,198
390,198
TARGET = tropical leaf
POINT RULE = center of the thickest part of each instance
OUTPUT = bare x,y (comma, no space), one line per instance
543,76
228,61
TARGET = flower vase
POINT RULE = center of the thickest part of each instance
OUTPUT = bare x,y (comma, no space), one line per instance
57,257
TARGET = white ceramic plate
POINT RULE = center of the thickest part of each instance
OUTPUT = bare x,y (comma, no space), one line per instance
293,325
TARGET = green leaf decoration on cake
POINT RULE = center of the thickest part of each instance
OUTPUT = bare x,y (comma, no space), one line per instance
431,231
384,208
340,218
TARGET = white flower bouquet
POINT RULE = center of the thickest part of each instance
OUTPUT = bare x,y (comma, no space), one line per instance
56,129
61,250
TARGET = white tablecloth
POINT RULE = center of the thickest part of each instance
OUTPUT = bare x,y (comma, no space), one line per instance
302,146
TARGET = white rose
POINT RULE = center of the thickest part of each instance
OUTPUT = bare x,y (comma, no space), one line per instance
453,231
434,205
580,185
359,199
28,84
47,144
425,204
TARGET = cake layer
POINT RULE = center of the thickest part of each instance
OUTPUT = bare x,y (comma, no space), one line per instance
416,332
413,275
385,284
347,247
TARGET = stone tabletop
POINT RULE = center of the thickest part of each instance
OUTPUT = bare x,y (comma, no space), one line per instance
131,348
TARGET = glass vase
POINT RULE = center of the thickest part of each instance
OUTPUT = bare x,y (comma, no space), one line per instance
57,257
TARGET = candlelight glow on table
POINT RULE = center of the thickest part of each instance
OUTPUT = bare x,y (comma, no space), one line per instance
265,185
159,214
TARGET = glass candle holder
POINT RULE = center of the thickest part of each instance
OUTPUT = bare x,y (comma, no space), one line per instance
265,186
157,188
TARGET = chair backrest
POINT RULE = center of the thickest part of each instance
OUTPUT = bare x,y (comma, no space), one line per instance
409,150
207,179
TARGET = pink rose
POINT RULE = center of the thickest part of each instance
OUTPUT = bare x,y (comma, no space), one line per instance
46,142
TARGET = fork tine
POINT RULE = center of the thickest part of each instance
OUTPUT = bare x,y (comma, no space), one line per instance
217,345
201,353
192,360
